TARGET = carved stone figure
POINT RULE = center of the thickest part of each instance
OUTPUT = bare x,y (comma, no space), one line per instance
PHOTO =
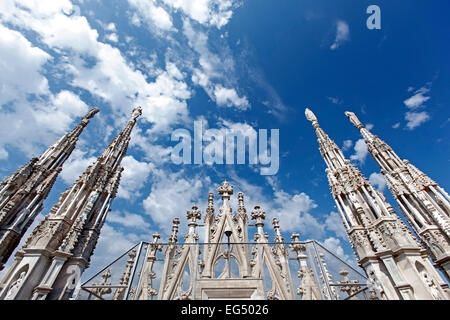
15,286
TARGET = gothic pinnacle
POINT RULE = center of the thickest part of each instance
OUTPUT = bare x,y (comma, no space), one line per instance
310,115
354,119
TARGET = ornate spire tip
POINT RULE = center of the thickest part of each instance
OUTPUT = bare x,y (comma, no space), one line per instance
310,115
91,113
137,112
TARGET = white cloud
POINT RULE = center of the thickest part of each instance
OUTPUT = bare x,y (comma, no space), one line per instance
396,125
112,37
418,99
213,69
291,208
293,212
342,34
129,220
334,245
112,243
171,196
77,163
229,97
415,119
3,153
207,12
361,151
50,20
377,180
20,67
111,27
347,145
30,124
133,178
60,112
154,153
334,223
369,126
151,14
112,78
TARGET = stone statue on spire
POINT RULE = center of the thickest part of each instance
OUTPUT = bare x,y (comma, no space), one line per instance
354,119
310,115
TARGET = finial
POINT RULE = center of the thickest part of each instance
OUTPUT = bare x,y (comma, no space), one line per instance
295,236
173,236
241,199
276,227
210,200
156,236
354,119
194,214
132,254
343,273
310,115
275,222
258,215
91,113
210,209
241,209
106,275
225,190
296,246
137,112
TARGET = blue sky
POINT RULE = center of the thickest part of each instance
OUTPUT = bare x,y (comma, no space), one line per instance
243,65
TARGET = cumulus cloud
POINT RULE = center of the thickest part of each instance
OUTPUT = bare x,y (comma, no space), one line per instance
418,99
215,72
342,34
77,163
133,178
151,14
20,67
293,212
415,119
171,195
334,223
112,243
207,12
112,77
229,98
347,145
293,209
130,220
29,125
377,180
361,151
60,112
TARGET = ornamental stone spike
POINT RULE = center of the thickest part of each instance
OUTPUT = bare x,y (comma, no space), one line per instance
173,237
22,194
193,215
424,204
378,236
226,190
276,227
